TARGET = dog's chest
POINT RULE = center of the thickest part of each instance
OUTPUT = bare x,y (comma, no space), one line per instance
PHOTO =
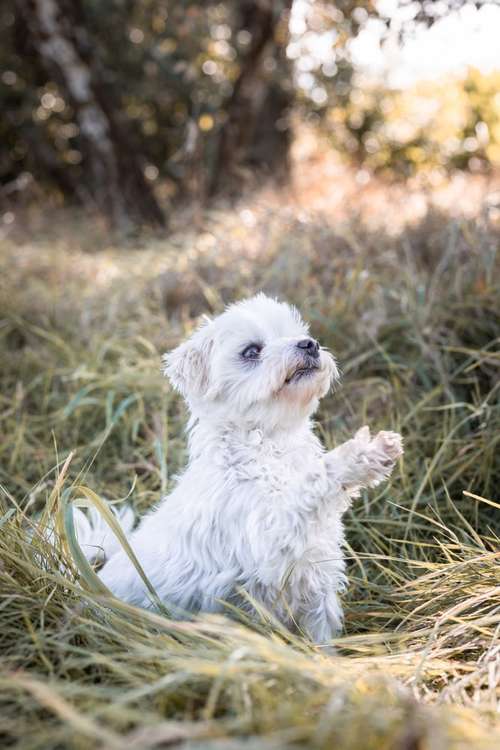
274,468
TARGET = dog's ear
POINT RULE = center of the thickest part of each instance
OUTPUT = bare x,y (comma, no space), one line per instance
188,366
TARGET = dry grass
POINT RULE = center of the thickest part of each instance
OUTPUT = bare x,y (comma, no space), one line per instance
414,320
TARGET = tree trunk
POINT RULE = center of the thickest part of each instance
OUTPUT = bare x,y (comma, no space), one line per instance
117,184
255,136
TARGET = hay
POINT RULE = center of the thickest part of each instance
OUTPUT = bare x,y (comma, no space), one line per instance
414,320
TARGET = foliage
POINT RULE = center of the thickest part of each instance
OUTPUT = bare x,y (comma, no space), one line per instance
434,126
154,52
173,69
414,321
174,65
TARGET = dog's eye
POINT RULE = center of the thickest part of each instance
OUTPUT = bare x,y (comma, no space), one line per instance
251,352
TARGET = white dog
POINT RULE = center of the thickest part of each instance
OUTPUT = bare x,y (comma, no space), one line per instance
257,514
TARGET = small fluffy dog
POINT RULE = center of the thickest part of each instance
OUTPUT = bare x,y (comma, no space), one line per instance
257,513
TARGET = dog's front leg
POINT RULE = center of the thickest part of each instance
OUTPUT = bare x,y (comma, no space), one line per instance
364,461
322,620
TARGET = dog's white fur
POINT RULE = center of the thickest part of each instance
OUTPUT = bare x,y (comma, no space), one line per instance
258,509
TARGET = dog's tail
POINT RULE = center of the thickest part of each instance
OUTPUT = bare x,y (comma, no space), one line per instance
97,541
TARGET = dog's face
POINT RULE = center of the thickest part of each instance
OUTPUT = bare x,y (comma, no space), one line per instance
255,363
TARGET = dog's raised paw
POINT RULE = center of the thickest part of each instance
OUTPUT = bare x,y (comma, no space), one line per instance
390,445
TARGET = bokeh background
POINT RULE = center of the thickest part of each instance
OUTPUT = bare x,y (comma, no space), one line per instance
130,108
158,160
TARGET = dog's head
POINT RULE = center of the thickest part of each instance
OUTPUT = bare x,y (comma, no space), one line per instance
255,363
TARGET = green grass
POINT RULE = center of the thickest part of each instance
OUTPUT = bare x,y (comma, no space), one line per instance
414,321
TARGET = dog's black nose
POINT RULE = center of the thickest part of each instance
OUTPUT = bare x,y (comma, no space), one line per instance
310,346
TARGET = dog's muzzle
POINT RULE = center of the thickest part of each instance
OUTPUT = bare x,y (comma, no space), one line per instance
309,364
309,347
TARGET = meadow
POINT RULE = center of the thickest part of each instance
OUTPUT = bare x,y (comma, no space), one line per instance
412,313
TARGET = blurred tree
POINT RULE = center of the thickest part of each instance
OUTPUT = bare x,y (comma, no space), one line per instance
57,31
128,104
255,131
